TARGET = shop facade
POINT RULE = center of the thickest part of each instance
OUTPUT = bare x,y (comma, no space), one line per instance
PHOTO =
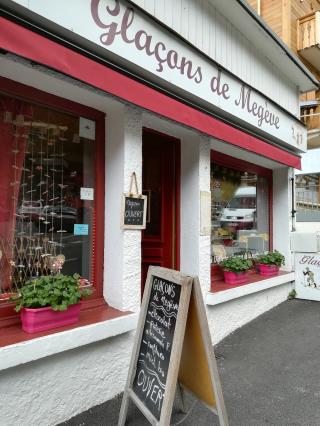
179,96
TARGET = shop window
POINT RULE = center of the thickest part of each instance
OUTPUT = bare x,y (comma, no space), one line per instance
240,209
49,192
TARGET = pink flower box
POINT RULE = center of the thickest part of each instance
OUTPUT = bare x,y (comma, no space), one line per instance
40,319
268,270
235,278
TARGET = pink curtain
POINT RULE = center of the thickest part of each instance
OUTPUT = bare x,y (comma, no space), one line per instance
14,132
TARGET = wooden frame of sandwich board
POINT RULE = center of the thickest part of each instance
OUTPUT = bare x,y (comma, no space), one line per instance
198,351
191,345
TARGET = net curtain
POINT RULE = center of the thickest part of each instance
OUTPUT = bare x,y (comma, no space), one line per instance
15,125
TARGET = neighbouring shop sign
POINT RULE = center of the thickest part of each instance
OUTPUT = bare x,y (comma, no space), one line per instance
307,276
130,34
172,342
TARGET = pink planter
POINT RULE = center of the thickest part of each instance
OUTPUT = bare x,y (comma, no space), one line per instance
268,270
235,278
40,319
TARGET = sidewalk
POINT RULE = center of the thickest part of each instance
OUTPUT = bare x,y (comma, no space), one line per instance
270,373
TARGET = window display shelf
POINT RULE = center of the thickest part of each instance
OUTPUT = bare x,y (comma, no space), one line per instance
222,292
18,347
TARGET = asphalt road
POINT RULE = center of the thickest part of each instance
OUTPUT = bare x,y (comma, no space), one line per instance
270,373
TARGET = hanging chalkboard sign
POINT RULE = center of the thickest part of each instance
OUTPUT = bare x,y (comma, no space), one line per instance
134,208
172,342
134,212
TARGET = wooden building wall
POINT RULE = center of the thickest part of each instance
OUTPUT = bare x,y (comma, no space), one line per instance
271,12
282,16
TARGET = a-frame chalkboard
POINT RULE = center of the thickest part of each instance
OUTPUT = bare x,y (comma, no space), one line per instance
172,342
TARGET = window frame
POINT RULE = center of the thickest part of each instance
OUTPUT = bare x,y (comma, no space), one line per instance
30,94
228,161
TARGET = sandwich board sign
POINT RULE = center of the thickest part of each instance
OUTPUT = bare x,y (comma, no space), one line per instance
172,342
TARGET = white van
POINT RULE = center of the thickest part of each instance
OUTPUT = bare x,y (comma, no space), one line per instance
241,209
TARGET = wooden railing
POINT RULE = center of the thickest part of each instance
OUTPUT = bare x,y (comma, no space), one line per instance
310,116
308,198
308,31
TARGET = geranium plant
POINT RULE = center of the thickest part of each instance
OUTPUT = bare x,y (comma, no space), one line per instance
271,258
236,264
57,291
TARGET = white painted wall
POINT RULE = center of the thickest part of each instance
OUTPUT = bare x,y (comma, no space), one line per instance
282,224
190,205
199,22
308,227
225,318
204,272
122,276
51,390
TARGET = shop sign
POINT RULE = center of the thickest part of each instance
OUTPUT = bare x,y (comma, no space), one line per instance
172,342
86,193
134,207
128,33
307,276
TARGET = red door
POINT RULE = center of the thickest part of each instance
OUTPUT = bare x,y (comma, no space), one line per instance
160,173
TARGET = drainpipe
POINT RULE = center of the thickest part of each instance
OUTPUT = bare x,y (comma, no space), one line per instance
293,210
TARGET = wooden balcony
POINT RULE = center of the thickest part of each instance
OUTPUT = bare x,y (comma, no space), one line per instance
308,30
308,43
308,46
310,116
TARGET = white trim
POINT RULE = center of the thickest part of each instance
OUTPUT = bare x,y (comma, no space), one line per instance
31,350
236,292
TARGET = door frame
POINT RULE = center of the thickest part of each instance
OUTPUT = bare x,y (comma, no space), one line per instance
177,191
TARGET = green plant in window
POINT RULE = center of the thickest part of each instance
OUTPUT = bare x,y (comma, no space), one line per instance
271,258
236,264
58,291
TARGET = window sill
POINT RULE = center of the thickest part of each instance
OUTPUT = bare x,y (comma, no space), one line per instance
18,347
221,296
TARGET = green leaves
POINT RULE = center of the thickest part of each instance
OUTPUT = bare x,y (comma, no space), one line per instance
272,258
239,264
236,264
58,291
